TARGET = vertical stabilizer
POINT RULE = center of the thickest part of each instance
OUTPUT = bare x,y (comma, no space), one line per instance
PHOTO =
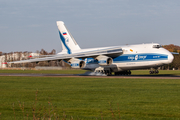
67,40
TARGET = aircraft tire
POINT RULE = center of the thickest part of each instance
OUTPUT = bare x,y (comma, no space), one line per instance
151,72
156,71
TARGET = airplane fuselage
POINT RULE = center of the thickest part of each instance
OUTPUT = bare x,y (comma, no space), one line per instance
140,56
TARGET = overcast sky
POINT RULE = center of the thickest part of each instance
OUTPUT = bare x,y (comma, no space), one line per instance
31,25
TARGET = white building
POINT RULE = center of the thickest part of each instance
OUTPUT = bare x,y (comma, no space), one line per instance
2,60
9,57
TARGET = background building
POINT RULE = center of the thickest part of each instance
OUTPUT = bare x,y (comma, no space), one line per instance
17,56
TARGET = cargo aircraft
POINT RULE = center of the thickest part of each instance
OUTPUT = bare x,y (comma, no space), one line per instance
117,59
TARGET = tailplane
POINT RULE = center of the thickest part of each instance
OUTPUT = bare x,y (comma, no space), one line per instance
67,40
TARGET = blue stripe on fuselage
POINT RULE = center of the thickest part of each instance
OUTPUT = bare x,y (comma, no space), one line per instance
140,57
64,42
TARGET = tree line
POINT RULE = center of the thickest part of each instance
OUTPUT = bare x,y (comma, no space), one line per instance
176,62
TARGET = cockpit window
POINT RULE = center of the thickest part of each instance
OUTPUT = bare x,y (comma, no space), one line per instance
157,46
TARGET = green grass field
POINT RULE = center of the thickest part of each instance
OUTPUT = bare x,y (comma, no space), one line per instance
89,98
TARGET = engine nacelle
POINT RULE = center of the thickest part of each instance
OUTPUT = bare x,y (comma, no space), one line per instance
104,60
76,63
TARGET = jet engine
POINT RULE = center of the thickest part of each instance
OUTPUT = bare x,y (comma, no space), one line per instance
104,60
76,63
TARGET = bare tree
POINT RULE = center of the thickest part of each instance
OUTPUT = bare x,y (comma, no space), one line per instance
43,52
53,52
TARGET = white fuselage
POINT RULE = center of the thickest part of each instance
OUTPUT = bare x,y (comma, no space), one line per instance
138,56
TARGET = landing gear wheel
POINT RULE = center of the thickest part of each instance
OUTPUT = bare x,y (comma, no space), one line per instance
156,71
151,72
129,72
108,73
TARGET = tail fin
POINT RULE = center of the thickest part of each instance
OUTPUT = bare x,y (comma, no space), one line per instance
67,40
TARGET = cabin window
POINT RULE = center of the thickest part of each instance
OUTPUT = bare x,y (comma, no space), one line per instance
157,46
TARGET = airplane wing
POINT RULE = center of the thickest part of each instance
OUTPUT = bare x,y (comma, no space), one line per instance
40,56
110,52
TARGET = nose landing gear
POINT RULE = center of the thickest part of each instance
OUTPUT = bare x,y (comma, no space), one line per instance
153,71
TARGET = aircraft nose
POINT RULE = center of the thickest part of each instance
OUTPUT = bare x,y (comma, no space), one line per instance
170,58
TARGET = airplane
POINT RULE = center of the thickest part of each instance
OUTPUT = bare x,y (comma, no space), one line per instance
118,59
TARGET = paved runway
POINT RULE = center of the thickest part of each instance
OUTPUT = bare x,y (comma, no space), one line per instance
76,75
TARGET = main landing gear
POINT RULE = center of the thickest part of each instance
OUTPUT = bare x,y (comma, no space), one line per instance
153,71
105,71
127,72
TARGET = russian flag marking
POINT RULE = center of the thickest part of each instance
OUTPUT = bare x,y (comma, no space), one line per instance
64,33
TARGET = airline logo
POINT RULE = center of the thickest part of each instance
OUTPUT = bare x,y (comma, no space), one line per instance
67,40
64,33
136,57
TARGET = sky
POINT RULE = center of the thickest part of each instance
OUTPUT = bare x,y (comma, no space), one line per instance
31,25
